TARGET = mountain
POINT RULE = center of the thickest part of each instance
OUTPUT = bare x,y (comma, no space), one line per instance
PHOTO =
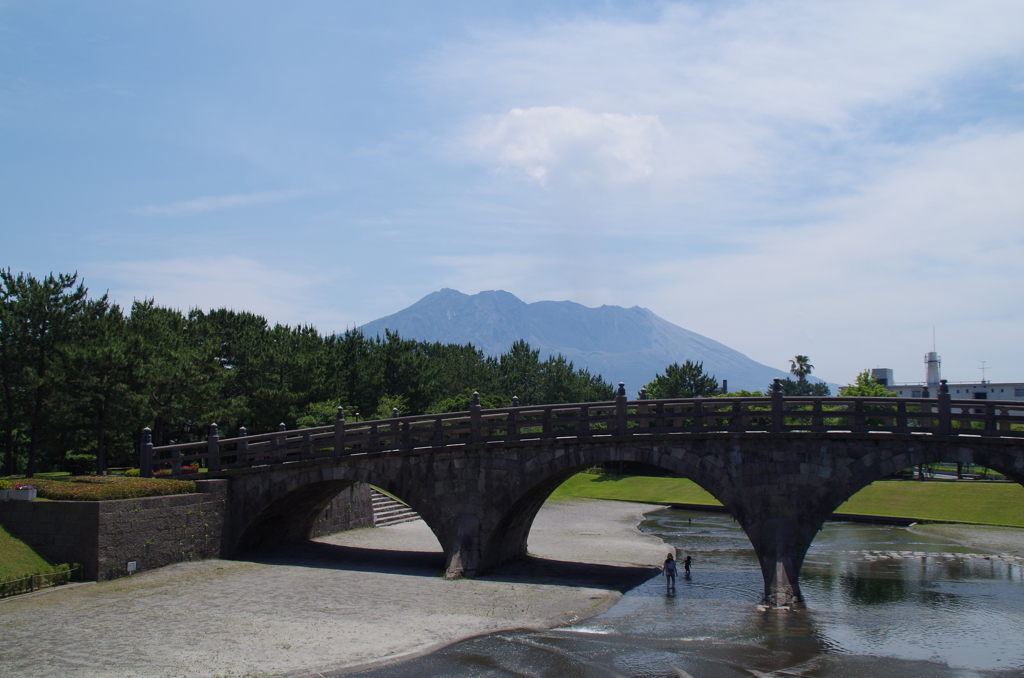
621,344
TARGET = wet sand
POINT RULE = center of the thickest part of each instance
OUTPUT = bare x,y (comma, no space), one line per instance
351,600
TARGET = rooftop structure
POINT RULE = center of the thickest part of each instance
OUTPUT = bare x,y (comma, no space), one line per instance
959,390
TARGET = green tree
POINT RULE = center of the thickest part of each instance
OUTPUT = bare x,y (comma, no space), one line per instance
868,386
801,388
350,372
41,318
321,413
800,366
106,359
688,380
180,378
388,404
11,374
519,373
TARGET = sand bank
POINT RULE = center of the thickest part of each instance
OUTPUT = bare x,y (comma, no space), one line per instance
352,599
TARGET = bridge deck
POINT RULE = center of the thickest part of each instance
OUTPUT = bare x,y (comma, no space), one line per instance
581,422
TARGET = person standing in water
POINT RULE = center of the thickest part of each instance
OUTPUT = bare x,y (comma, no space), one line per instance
669,568
686,564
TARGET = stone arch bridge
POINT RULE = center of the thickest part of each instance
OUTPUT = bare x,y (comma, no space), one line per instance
779,465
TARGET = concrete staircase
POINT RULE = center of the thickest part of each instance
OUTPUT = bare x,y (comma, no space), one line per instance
388,511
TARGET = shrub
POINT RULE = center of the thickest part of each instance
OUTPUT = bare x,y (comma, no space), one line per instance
132,473
51,576
6,484
80,464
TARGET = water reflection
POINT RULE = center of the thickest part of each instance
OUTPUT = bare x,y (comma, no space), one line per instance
880,601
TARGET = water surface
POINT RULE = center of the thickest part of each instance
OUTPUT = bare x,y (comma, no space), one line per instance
880,601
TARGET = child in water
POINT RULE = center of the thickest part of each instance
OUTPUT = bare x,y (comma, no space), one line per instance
669,569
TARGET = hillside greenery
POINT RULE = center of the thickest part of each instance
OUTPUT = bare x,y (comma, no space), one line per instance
18,559
80,377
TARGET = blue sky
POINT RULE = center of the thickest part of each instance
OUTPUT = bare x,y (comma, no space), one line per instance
832,179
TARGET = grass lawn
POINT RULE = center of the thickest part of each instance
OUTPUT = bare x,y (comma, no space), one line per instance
634,488
977,503
16,558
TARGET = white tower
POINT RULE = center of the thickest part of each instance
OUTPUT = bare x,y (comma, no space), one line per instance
932,362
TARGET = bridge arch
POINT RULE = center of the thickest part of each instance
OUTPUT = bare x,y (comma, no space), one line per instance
507,533
279,507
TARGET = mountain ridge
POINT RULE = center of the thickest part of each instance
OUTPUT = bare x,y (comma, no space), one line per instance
622,344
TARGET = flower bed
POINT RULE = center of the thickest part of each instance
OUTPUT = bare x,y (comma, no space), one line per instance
185,470
98,488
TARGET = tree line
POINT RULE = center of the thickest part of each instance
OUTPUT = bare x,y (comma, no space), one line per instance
80,377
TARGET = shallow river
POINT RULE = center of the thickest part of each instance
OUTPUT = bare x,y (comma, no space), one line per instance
880,601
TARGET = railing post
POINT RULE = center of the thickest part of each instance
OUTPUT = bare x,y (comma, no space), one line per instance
474,419
146,453
643,409
901,417
778,407
242,449
583,425
945,410
817,417
281,442
620,410
393,441
213,449
512,422
176,462
339,432
990,421
860,424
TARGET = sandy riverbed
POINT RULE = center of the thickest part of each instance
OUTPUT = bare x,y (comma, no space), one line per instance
353,599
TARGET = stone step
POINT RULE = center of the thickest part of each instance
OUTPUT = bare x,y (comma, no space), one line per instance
389,511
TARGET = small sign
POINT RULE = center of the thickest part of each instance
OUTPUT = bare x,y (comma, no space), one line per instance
132,566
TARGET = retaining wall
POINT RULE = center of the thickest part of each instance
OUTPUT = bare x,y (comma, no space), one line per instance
104,536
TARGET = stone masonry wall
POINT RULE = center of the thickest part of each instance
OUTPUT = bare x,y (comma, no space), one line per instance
351,509
158,531
103,536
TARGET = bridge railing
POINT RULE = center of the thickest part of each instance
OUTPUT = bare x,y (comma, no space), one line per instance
620,417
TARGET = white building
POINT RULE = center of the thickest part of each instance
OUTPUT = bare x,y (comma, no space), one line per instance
959,390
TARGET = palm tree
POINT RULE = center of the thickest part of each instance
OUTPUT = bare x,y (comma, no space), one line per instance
800,366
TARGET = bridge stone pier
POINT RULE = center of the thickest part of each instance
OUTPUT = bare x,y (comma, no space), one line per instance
480,496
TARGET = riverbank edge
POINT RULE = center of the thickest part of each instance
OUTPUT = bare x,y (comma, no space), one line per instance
876,519
612,597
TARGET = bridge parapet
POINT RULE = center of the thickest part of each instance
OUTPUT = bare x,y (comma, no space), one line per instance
610,420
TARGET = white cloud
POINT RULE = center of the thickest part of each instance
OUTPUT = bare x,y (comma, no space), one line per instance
587,146
759,92
216,202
